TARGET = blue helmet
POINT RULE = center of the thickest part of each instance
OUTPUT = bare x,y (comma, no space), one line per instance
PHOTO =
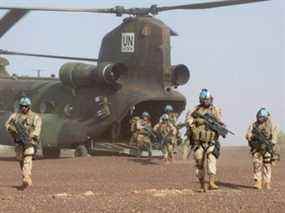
145,114
164,117
262,113
168,108
204,95
25,101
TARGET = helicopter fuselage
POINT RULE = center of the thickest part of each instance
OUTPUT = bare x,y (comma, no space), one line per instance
133,75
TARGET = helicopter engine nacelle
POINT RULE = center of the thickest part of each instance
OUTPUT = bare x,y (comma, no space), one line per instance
180,74
85,75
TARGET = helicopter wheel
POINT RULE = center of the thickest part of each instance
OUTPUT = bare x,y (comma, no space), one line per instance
81,151
51,152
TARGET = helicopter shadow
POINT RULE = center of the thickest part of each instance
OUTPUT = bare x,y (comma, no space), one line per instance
233,185
144,161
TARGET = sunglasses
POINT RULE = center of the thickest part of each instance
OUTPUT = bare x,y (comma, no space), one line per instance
23,106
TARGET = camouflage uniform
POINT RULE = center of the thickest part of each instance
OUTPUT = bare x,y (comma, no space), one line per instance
168,132
205,142
133,130
173,119
3,63
261,159
143,136
24,153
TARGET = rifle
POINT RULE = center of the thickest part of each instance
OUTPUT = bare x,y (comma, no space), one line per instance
163,139
262,140
213,124
151,133
22,133
182,125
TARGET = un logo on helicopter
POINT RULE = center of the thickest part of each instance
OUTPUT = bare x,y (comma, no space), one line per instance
128,43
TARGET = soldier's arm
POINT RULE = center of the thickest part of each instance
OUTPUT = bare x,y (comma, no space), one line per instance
35,133
156,127
248,134
189,117
275,133
9,124
218,114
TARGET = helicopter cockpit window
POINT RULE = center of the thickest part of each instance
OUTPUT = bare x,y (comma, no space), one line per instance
68,110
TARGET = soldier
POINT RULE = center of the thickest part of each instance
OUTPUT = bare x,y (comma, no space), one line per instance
173,119
205,141
30,123
172,115
262,154
3,63
167,132
133,130
144,128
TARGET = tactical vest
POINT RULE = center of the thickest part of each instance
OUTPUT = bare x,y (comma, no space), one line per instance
199,131
265,128
143,131
164,130
27,120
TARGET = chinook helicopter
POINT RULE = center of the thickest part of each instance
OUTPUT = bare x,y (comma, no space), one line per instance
89,103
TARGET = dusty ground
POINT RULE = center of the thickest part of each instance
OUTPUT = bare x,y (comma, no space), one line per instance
122,184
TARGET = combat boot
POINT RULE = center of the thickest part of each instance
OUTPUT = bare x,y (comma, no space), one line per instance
27,182
212,185
202,185
267,185
258,184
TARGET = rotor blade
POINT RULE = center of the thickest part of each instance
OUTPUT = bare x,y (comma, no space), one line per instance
10,19
208,5
5,52
55,9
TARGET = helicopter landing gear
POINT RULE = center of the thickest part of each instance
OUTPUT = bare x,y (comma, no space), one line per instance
81,151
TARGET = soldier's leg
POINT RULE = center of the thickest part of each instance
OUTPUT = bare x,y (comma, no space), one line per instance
19,150
267,175
174,147
212,171
198,156
165,152
149,147
212,167
139,145
257,170
200,169
27,166
266,170
170,149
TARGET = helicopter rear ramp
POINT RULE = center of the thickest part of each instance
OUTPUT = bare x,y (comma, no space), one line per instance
120,149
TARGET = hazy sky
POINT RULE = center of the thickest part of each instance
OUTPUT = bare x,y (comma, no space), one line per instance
237,52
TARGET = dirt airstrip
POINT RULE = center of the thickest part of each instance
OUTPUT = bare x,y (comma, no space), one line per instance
127,184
